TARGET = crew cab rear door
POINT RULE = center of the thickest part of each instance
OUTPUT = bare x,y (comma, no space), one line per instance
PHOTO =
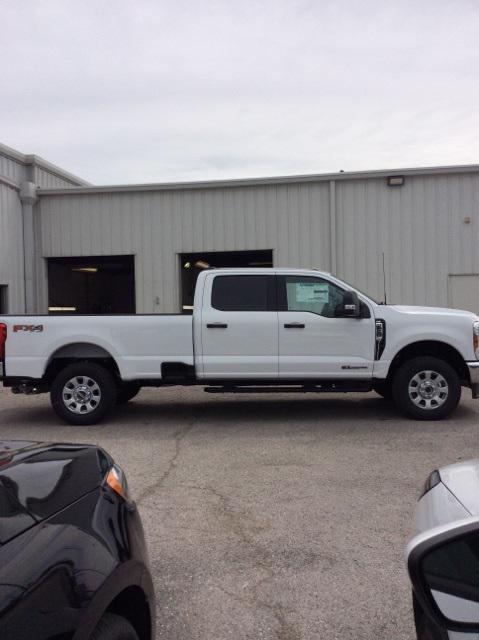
313,342
239,327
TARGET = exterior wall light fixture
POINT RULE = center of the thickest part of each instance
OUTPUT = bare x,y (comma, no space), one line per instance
395,181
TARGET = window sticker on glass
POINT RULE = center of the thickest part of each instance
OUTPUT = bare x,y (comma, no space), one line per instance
312,292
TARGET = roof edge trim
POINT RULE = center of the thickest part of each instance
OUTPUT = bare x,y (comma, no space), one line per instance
241,182
37,161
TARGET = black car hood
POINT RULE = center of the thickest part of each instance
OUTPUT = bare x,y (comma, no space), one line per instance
45,478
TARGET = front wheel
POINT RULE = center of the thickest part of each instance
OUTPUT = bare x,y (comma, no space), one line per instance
426,388
83,393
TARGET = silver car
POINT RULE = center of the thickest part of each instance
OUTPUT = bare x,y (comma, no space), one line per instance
443,559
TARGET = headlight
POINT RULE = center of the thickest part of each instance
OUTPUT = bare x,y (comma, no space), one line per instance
475,338
116,480
432,481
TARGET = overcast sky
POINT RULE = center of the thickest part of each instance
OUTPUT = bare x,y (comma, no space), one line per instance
168,90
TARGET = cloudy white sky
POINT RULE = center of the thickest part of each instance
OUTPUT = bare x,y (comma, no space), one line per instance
165,90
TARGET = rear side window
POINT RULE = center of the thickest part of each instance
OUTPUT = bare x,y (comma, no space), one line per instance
243,293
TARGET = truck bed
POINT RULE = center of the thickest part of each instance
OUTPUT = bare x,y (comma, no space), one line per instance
138,343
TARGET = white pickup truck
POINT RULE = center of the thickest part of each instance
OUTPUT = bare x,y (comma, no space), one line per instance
252,330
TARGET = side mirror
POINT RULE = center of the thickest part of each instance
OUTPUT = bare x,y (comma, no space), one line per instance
443,566
350,307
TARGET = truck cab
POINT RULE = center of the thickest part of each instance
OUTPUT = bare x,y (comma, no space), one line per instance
281,325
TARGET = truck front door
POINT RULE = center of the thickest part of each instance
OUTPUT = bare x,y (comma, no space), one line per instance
313,341
239,327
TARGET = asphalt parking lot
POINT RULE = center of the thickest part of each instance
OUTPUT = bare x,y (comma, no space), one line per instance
277,517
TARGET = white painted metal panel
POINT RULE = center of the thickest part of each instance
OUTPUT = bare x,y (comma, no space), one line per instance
49,180
11,248
11,169
293,220
464,292
421,229
427,229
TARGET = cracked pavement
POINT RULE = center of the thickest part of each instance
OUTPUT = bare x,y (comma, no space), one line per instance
280,517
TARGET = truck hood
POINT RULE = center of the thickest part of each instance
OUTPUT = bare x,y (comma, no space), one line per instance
435,311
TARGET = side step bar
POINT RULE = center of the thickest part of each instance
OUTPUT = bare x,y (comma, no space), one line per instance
317,388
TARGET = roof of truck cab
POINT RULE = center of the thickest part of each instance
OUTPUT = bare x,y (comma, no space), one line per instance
255,270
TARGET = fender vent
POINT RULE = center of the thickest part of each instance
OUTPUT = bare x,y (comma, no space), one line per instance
380,338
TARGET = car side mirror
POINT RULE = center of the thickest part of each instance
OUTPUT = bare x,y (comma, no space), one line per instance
443,566
350,307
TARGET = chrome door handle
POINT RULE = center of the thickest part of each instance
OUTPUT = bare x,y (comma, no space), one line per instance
294,325
217,325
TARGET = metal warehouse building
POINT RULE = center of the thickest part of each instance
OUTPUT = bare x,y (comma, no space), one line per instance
67,246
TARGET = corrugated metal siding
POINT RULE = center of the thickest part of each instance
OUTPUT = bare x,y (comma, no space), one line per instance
293,220
419,227
48,180
18,172
11,248
12,169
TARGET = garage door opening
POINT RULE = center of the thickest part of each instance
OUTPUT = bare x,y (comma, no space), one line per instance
192,264
3,299
97,285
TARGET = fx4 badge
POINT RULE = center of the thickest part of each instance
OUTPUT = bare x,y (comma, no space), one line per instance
32,328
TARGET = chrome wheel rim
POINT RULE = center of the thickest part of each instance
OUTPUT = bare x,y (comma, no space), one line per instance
428,390
81,395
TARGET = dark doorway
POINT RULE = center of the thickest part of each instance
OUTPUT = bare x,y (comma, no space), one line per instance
91,285
3,298
192,264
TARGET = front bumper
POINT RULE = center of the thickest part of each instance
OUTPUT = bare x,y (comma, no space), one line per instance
474,377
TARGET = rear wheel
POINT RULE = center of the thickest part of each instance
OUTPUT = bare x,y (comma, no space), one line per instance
127,392
114,627
426,388
83,393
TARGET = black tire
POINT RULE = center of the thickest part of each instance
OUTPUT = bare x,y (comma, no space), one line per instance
384,390
97,406
127,392
436,407
114,627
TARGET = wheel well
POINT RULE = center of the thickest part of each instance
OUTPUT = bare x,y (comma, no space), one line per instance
133,605
433,348
80,351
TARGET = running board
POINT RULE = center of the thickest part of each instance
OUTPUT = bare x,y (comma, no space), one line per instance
317,388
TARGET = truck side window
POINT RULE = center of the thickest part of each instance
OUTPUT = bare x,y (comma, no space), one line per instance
307,293
243,293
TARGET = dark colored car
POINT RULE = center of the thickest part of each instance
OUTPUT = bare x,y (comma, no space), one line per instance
73,559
